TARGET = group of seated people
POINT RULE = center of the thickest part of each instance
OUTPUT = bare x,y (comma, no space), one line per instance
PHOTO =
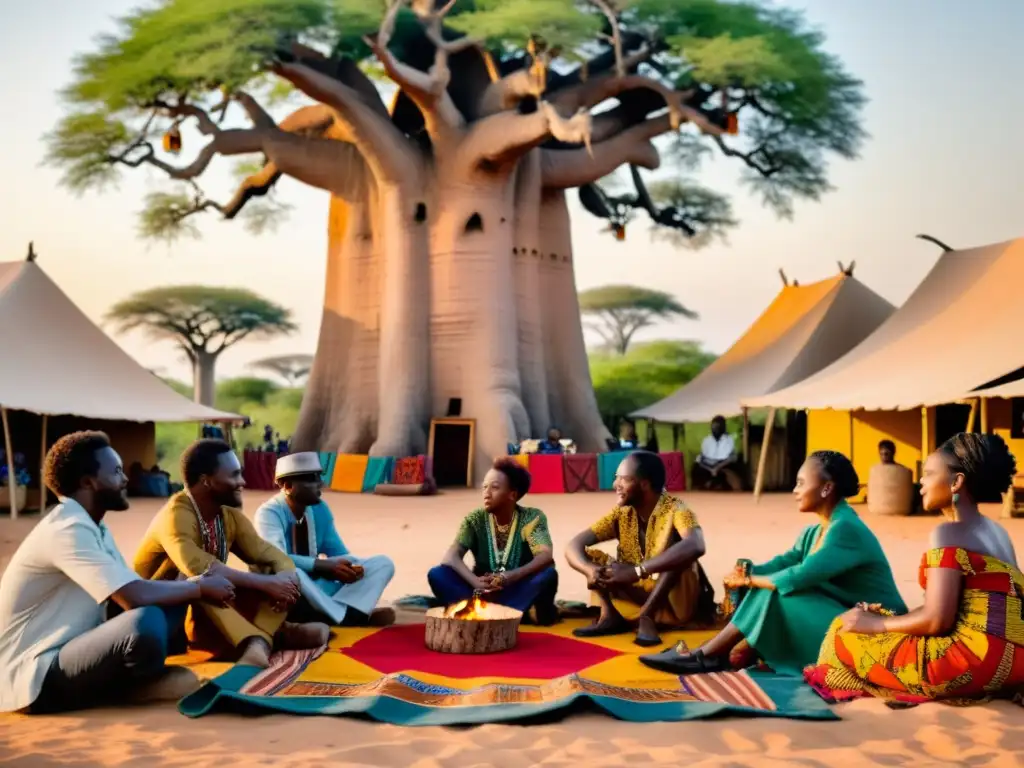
78,626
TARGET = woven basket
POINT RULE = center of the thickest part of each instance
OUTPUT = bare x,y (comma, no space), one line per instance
890,490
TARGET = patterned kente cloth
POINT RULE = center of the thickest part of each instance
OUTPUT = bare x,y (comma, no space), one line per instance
527,536
981,657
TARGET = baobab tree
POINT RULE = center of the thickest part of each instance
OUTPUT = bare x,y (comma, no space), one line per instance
202,321
450,267
291,368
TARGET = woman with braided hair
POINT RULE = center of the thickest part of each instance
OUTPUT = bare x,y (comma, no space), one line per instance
785,606
967,641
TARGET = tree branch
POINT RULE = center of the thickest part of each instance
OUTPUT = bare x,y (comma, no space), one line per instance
386,151
568,168
507,136
427,90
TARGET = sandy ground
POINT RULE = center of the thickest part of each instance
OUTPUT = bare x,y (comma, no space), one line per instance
415,532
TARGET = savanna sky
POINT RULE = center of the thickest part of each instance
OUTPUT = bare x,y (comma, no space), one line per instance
944,157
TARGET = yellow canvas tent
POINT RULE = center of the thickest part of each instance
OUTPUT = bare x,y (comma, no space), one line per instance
805,328
58,365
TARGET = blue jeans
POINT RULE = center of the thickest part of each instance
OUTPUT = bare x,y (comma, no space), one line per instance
106,663
538,590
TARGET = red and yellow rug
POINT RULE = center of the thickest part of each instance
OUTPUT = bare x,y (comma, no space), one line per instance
389,675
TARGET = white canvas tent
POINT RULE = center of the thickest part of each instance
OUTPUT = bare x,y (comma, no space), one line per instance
56,361
805,328
958,331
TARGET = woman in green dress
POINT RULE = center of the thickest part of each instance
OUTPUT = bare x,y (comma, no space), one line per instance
787,604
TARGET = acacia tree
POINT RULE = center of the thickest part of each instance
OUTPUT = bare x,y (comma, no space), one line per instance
622,310
450,265
202,321
291,368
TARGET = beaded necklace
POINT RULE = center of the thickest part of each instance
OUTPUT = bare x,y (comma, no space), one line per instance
215,540
500,557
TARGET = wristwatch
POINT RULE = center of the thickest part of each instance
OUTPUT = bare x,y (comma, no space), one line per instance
641,573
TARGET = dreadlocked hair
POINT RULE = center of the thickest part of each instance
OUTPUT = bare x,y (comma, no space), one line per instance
839,469
985,462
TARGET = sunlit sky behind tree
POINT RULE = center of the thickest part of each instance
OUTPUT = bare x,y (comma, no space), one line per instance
945,157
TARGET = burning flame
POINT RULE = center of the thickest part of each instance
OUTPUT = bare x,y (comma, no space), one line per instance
470,610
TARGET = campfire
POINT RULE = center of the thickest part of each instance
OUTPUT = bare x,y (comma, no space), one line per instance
472,626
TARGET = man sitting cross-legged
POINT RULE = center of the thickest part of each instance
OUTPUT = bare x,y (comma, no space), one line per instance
655,579
194,533
335,584
56,650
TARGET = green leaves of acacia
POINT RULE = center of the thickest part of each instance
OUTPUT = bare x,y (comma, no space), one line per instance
559,23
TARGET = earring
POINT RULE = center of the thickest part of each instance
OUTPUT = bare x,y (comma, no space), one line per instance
956,498
824,495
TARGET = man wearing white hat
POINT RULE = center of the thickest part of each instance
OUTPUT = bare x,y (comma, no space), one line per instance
334,583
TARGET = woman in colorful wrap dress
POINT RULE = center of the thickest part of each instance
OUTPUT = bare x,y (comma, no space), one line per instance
789,602
967,641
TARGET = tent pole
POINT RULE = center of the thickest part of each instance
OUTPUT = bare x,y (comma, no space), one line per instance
746,436
675,438
12,480
984,415
972,417
42,470
762,460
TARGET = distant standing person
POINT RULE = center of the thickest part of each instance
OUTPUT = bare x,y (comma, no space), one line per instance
718,463
553,443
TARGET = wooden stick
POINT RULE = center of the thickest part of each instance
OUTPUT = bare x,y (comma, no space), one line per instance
42,470
746,436
972,417
762,460
12,480
984,415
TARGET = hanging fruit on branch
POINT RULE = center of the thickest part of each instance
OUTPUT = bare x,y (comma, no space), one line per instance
172,140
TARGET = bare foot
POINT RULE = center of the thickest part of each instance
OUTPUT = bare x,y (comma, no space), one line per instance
297,637
647,633
174,684
382,617
255,653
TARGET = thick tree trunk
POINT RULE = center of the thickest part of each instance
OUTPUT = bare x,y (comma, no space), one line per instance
527,254
204,382
570,390
474,332
340,407
400,230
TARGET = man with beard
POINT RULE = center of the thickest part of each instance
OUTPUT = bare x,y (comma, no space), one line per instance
56,650
654,579
194,533
334,583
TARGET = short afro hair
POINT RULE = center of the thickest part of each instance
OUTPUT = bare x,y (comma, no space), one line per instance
887,444
518,476
839,469
201,458
649,467
985,461
72,459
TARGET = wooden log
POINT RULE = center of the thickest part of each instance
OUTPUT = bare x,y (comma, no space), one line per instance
498,632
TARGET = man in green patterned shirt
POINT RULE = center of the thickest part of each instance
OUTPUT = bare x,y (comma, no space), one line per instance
511,546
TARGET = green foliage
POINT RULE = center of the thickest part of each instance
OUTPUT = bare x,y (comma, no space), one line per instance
691,202
647,373
178,386
233,393
796,103
165,216
200,317
620,311
558,23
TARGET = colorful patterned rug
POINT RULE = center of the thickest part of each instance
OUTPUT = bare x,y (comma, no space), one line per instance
388,675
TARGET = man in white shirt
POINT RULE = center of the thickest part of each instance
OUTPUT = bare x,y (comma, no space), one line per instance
56,650
717,465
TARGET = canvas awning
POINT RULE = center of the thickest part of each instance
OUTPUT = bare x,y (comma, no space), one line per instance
958,331
804,329
54,360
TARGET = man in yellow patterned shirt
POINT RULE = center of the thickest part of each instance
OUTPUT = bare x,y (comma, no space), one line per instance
655,578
